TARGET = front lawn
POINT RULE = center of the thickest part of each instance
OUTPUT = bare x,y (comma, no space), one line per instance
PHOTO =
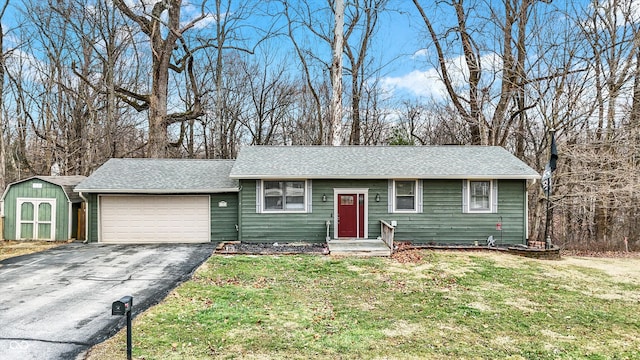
444,306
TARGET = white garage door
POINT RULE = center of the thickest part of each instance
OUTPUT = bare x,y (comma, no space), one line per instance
154,219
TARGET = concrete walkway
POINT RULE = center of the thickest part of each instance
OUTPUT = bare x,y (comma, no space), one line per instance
358,247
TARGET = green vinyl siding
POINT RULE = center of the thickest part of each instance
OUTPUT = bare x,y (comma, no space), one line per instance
44,191
442,220
307,227
224,219
281,227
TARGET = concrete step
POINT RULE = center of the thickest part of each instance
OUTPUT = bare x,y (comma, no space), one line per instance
359,247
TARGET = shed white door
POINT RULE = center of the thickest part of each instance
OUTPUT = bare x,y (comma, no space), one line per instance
36,219
154,219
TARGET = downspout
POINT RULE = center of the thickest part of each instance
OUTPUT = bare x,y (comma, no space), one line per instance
526,209
239,224
70,222
1,219
86,218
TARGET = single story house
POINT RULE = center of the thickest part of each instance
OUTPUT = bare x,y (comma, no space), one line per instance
161,200
430,194
41,208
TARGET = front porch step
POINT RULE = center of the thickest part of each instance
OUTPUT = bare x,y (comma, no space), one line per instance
358,247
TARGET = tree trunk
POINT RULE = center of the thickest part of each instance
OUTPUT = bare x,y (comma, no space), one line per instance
336,75
163,14
354,139
3,165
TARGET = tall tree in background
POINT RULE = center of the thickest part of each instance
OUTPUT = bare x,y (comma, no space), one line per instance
272,93
3,121
361,26
232,20
490,97
101,122
3,126
300,19
165,30
602,177
337,47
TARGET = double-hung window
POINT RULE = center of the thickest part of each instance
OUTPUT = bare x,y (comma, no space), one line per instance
405,196
284,196
480,196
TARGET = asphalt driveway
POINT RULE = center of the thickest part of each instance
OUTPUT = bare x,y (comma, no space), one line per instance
57,303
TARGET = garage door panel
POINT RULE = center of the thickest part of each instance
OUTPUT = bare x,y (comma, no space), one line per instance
141,219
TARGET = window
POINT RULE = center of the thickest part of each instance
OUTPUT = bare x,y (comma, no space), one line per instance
480,196
284,195
405,195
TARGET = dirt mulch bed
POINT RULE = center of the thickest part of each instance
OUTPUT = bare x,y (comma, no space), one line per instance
13,248
407,256
600,254
241,248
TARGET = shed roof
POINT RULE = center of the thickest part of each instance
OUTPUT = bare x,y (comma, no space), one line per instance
161,176
375,162
67,183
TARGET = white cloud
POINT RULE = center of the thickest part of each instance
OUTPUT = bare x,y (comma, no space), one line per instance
613,14
422,53
193,10
204,23
427,83
418,83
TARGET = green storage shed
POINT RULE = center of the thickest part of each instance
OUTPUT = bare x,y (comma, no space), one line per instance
41,208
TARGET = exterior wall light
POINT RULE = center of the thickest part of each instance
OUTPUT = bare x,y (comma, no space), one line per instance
377,197
324,198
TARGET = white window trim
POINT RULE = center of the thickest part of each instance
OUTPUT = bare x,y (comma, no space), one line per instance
307,196
415,198
493,206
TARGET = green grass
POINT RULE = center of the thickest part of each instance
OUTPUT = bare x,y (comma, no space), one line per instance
447,306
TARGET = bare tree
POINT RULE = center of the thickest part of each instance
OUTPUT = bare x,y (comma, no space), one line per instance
494,78
271,95
361,25
603,169
165,37
3,125
299,16
337,45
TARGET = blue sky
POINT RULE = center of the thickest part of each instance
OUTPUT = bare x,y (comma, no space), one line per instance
413,72
402,48
404,33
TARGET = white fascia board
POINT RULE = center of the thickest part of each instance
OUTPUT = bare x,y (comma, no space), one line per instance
157,191
378,177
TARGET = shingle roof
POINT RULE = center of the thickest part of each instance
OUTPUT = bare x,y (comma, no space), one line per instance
65,182
357,162
160,176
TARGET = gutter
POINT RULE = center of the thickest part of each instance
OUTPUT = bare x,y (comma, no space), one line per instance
159,191
384,177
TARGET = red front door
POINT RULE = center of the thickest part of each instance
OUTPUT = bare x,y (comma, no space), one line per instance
351,215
